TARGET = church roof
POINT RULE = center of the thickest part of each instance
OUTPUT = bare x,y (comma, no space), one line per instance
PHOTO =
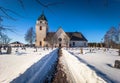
50,35
74,36
16,42
42,17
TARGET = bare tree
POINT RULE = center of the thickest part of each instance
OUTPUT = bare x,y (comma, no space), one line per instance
50,40
4,28
21,3
109,37
30,36
55,38
49,4
6,14
4,39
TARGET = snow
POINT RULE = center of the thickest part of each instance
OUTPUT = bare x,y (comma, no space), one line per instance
79,71
17,63
101,62
32,67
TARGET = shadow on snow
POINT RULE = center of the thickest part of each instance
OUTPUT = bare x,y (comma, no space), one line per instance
39,71
98,72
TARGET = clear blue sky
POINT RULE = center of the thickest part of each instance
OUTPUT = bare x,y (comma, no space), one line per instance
90,17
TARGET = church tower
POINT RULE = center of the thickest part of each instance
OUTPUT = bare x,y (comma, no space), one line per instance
41,30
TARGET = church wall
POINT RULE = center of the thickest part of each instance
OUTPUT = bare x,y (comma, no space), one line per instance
41,33
64,38
78,43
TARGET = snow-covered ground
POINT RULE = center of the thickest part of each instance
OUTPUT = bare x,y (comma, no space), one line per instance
101,62
17,63
79,72
90,67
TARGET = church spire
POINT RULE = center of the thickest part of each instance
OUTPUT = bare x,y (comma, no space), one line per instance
42,17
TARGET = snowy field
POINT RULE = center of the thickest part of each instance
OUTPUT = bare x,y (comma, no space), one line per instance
100,61
79,72
90,67
17,63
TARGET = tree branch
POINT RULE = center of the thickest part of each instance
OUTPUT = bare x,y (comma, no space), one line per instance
5,13
21,3
41,3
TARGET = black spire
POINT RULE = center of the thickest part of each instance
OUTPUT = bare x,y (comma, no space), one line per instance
42,17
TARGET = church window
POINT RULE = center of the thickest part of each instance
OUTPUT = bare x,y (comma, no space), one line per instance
84,44
40,27
40,43
73,43
44,39
40,21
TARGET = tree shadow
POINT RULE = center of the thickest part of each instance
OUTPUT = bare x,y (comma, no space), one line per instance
37,71
98,72
110,65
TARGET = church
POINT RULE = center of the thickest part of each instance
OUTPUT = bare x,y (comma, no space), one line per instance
58,38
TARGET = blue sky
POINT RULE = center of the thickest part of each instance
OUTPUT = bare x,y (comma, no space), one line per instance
90,17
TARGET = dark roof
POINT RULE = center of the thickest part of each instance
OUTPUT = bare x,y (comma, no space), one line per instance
42,17
16,42
76,36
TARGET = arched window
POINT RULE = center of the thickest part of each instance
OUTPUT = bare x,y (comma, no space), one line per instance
40,43
40,27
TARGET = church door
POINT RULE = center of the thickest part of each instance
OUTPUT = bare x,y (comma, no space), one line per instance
59,44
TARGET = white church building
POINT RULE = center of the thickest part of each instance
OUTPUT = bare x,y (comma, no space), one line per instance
58,38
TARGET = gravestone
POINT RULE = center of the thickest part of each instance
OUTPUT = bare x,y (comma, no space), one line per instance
81,51
0,49
104,50
117,64
119,52
9,50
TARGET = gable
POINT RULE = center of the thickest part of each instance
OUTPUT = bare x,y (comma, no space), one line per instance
61,34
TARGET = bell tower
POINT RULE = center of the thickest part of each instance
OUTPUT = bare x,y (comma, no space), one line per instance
41,30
